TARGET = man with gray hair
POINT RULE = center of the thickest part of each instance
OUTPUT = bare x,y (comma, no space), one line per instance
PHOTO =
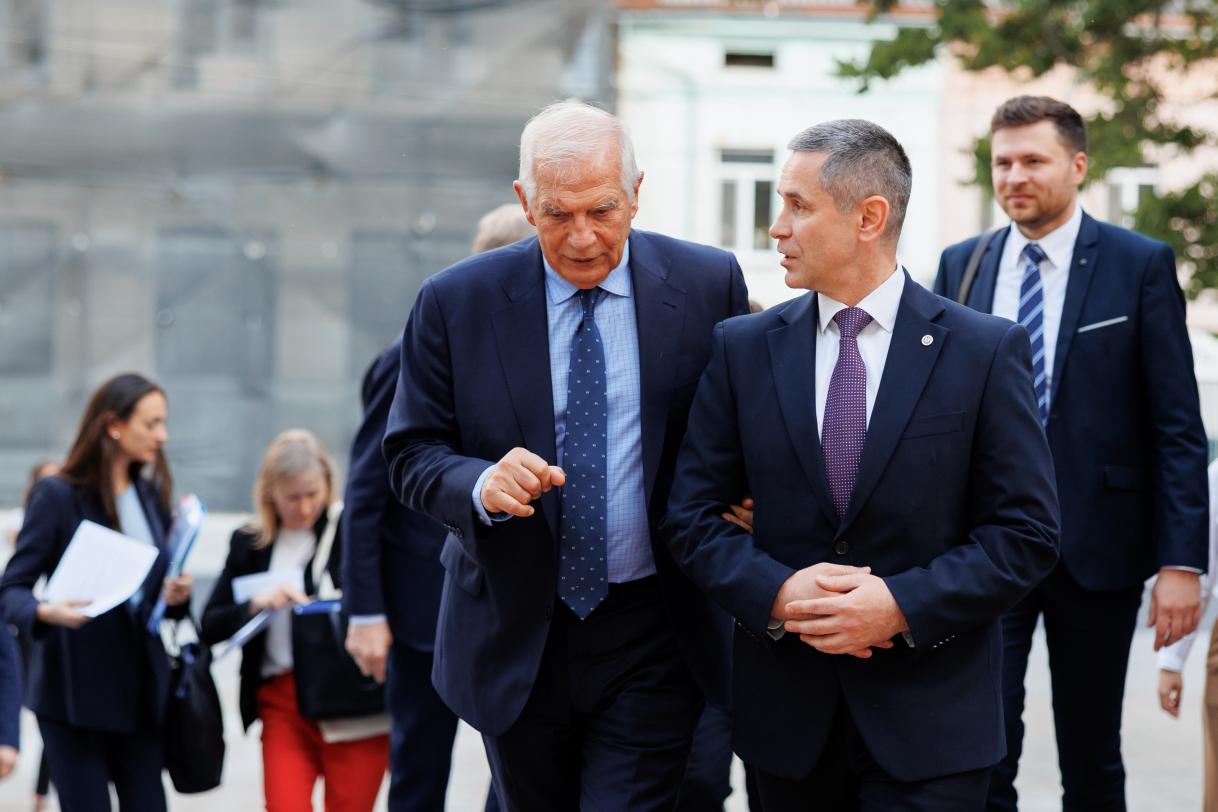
903,494
502,225
392,577
543,394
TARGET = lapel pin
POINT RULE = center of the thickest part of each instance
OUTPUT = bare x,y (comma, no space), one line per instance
927,341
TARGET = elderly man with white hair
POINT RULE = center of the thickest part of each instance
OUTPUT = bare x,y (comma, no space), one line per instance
543,395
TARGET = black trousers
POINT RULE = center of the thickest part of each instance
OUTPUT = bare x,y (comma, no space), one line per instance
608,724
1088,635
847,779
86,762
707,782
420,734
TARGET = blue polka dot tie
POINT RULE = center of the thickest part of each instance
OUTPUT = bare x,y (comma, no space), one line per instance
1032,317
845,422
583,574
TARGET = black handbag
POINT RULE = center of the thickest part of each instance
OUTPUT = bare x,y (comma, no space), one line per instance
194,722
329,685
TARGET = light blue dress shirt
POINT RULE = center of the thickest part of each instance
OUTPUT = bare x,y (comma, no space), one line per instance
134,525
629,538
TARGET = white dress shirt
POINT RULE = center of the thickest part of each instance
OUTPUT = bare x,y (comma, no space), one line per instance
882,305
1058,246
292,550
873,340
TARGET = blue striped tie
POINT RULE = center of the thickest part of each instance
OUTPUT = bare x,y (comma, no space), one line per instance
1032,317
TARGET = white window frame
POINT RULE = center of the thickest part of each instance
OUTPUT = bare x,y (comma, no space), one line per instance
746,176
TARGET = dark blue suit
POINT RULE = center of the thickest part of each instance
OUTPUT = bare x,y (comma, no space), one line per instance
1130,455
953,506
10,689
391,566
99,691
475,383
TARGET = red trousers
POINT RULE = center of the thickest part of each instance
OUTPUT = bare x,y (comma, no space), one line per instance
294,756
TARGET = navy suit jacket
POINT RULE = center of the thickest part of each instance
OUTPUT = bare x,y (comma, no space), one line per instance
475,382
110,674
1125,421
10,688
953,507
391,558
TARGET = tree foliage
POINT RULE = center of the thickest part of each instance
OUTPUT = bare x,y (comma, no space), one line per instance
1129,51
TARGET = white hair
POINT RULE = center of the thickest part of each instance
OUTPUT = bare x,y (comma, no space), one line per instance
566,135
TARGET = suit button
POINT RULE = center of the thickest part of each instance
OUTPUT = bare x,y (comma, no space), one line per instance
841,548
549,611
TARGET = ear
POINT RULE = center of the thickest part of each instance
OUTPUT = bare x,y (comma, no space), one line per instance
872,218
1078,166
634,204
524,202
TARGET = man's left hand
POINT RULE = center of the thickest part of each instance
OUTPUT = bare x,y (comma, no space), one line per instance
8,760
741,515
1175,605
862,615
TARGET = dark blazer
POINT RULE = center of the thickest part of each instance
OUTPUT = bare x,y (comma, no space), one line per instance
1125,421
110,674
953,506
475,382
391,560
10,688
222,617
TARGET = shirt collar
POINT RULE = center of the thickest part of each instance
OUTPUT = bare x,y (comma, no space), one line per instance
881,304
617,282
1058,244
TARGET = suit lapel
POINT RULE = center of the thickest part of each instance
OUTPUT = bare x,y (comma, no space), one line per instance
522,338
659,309
793,361
1082,267
981,297
910,361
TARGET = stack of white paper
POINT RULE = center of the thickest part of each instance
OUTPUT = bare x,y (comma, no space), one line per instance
100,566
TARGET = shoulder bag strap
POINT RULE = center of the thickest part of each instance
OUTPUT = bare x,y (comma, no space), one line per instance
321,559
974,262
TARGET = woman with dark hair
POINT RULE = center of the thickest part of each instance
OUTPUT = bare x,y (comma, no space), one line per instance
98,686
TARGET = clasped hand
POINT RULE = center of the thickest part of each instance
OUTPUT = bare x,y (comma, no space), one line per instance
838,609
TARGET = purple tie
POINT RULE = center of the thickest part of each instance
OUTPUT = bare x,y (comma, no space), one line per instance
845,424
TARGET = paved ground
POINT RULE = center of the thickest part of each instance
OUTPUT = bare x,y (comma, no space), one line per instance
1162,755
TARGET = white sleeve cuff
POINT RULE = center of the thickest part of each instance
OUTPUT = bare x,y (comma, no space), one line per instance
365,620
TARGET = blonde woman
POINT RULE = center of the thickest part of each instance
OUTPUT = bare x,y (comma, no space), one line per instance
294,489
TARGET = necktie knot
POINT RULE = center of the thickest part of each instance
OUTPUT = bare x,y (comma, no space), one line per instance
1034,253
587,300
851,321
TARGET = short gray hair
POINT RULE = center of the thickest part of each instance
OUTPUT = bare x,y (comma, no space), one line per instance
863,159
566,134
502,225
